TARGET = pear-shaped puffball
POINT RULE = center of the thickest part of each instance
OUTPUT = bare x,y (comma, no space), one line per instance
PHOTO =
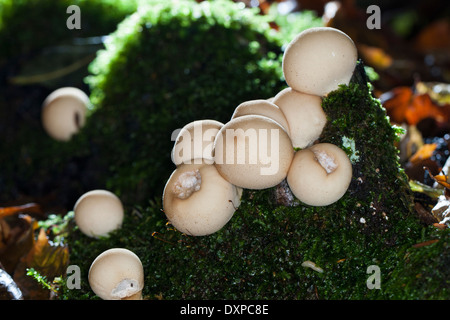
64,113
318,60
98,212
320,175
195,141
253,152
305,116
198,201
262,108
117,274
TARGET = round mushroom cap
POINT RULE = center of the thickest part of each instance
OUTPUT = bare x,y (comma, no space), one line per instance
98,212
318,60
195,142
253,152
64,113
262,108
117,274
320,175
305,116
198,201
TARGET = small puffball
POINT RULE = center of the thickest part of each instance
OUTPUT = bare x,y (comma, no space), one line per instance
320,175
64,113
305,116
253,152
117,274
262,108
98,212
318,60
198,201
194,143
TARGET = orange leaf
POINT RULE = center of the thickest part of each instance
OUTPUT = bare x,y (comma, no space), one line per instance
375,57
404,106
424,152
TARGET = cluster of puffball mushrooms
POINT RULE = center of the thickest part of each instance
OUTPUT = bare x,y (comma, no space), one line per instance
264,143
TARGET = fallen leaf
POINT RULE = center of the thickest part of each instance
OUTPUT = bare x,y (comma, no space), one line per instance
403,105
48,258
424,152
375,57
16,239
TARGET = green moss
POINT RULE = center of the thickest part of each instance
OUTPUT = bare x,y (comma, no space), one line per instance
27,26
259,253
32,163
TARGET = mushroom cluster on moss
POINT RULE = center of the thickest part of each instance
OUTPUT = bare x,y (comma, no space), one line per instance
267,141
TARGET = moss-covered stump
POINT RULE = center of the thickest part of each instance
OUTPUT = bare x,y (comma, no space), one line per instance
165,66
275,248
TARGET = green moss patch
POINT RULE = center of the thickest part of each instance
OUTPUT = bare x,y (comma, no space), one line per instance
260,253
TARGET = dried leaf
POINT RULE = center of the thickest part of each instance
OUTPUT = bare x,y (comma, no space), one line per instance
424,152
29,207
16,239
375,57
405,106
49,259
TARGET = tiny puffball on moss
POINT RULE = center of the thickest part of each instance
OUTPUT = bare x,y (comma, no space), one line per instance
196,141
253,152
305,116
117,274
320,175
198,201
318,60
98,212
263,108
64,113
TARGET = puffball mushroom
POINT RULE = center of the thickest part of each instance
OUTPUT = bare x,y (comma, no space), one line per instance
195,142
318,60
64,113
263,108
253,152
198,201
98,212
320,175
305,116
117,274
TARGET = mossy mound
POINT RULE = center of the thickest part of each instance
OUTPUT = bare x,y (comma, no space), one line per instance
165,66
260,253
21,19
35,41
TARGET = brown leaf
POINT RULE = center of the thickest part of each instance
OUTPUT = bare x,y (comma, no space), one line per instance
424,152
49,259
375,57
403,105
29,207
16,239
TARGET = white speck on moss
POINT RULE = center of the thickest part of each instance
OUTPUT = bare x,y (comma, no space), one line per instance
312,265
349,144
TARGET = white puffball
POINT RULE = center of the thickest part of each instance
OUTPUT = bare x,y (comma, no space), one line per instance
64,113
318,60
98,212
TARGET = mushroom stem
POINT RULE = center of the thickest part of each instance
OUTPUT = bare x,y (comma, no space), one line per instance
326,160
188,183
